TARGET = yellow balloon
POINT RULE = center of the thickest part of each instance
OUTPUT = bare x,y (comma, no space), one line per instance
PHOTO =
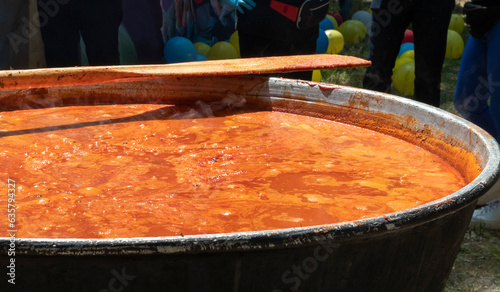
235,41
353,31
334,21
316,76
335,41
404,78
454,45
457,23
408,54
360,24
222,50
400,61
202,48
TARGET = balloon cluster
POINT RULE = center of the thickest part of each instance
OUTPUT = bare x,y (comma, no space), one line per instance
403,73
404,69
335,32
339,32
180,49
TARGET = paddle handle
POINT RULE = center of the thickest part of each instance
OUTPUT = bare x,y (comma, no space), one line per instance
73,76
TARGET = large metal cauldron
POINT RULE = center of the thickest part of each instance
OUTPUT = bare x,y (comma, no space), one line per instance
413,250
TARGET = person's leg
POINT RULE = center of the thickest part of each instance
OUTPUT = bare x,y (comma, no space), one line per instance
11,12
472,92
252,45
99,23
489,215
430,30
143,21
386,35
307,46
493,65
60,33
345,9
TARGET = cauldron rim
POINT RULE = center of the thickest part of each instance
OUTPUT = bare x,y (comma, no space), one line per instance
291,237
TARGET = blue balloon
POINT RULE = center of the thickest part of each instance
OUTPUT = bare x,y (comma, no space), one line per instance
364,16
321,42
406,47
179,49
200,57
326,24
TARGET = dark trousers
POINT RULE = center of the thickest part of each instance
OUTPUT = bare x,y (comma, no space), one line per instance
143,20
477,96
11,12
345,9
430,28
62,22
252,45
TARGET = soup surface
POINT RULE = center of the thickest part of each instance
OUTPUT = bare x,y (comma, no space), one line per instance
154,170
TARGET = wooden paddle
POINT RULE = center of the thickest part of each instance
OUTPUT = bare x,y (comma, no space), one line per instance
72,76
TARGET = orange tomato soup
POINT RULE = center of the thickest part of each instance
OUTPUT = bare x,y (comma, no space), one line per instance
153,170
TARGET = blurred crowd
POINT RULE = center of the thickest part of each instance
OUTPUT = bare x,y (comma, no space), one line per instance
56,33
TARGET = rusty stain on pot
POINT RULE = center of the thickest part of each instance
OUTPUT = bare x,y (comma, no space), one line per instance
358,100
288,94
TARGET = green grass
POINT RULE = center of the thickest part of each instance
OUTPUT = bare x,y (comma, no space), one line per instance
477,267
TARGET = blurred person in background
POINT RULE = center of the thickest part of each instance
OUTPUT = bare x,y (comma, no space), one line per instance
97,21
143,20
430,20
21,45
279,28
477,96
345,7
